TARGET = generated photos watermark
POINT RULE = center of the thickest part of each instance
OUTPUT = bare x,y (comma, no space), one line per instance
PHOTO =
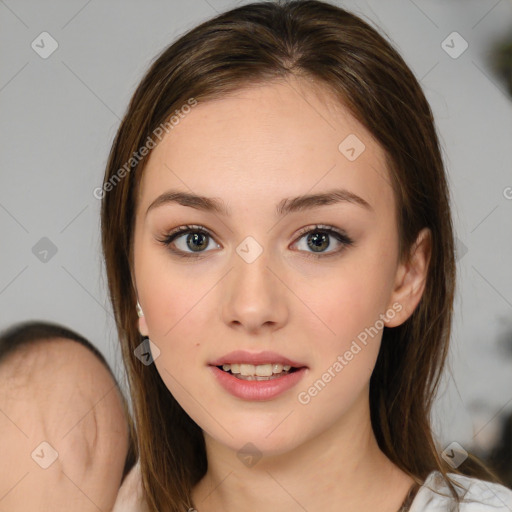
137,156
305,397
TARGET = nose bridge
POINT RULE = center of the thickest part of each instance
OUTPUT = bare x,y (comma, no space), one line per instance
251,264
254,296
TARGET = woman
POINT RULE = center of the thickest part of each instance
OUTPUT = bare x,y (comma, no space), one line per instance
275,209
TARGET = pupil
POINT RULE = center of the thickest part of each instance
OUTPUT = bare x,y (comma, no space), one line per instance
318,241
194,237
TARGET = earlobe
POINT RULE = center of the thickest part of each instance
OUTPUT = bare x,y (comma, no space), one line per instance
143,328
411,279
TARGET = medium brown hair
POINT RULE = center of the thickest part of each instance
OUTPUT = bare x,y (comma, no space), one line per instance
261,43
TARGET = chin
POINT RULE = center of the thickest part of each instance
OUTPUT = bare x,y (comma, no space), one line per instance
263,438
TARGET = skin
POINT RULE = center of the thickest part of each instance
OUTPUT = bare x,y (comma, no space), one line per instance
253,149
57,391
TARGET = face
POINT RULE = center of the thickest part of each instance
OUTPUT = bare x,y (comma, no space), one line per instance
265,283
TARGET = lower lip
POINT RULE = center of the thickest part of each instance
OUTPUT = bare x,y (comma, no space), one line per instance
257,389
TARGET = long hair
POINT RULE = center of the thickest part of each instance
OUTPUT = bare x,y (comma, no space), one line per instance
261,43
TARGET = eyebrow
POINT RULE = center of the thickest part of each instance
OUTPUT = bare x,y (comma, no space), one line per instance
287,205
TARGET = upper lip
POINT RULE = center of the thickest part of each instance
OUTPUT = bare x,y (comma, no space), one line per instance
265,357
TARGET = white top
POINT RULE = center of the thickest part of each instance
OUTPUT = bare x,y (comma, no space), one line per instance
481,496
129,497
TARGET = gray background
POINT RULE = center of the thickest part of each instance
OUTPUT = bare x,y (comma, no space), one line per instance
59,116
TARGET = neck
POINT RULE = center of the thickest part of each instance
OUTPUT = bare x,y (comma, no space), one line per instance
342,469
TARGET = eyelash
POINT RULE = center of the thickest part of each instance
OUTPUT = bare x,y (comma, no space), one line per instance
344,239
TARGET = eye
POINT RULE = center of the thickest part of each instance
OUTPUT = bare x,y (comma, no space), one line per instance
197,240
318,239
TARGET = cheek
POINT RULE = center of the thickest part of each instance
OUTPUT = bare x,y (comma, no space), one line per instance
177,310
348,302
349,338
175,301
346,354
179,316
169,292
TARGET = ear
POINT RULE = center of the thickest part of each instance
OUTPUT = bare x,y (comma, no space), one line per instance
411,277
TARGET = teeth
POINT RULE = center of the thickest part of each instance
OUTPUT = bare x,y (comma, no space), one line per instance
260,370
264,370
247,369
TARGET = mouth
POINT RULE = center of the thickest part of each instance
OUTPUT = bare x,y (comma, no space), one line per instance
257,375
260,372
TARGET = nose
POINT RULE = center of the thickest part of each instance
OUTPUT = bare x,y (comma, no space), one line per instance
255,296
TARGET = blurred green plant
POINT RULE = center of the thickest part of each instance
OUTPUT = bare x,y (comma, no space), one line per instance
502,61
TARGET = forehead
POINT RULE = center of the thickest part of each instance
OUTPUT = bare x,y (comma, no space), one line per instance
266,142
